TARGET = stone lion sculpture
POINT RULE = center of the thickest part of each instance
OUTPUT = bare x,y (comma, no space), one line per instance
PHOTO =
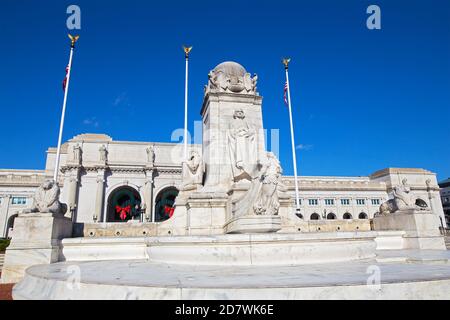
46,199
403,200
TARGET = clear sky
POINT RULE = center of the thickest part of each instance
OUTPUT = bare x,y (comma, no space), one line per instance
363,99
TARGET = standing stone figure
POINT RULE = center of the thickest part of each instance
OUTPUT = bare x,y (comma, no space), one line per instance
254,83
193,170
46,199
77,153
267,202
151,154
242,148
103,154
248,83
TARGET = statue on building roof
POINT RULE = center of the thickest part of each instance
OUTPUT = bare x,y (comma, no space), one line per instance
151,154
77,153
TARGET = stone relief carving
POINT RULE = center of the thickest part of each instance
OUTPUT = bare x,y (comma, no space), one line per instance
193,171
151,156
46,199
403,200
242,141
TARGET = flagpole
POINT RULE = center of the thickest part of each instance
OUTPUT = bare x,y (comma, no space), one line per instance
66,90
187,50
294,158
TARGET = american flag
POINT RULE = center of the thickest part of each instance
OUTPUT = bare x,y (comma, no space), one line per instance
64,82
285,93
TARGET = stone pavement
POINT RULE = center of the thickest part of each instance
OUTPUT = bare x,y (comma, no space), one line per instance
398,274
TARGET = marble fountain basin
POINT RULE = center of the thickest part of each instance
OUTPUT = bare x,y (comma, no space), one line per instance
262,249
231,249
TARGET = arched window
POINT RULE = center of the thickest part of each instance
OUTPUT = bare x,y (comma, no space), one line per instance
331,216
347,216
362,215
314,216
299,215
164,204
123,204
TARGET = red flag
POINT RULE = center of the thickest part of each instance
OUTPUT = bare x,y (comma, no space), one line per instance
64,82
285,94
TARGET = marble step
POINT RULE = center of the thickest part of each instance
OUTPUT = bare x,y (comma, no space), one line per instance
2,260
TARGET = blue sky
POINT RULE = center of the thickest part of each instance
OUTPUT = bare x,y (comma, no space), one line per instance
363,99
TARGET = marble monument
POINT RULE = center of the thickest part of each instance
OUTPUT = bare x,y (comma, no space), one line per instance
228,204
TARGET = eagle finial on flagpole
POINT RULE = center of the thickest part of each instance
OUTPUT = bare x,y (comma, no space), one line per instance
187,50
73,39
286,62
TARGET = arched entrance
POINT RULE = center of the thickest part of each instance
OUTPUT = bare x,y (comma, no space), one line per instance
123,204
164,204
10,225
331,216
362,215
314,216
347,216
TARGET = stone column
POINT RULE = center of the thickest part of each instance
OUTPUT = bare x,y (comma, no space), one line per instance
100,195
4,213
73,178
148,195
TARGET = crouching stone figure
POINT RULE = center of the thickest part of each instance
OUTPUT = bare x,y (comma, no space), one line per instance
46,199
403,200
193,171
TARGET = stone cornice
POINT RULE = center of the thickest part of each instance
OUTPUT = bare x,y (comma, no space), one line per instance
227,96
125,169
336,184
388,171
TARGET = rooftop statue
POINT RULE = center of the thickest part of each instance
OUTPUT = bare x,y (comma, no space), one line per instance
103,154
151,156
77,151
46,199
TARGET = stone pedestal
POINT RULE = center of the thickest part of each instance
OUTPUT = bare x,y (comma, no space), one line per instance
35,241
421,228
196,213
206,213
253,224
